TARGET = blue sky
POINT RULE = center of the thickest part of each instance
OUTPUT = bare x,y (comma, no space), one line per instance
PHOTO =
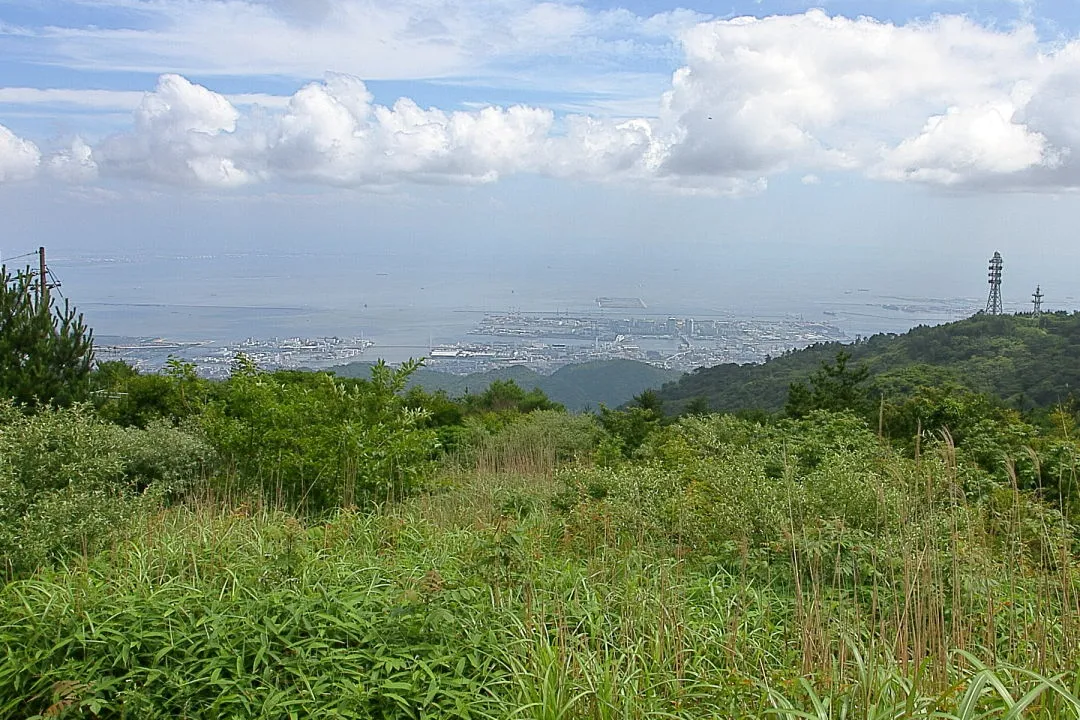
30,57
80,68
718,124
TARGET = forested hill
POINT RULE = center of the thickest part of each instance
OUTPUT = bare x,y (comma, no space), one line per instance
1024,362
577,387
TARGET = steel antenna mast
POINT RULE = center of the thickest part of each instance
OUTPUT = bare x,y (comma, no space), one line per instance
993,302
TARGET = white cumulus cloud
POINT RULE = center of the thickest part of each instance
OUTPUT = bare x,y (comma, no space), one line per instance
19,158
606,149
759,96
941,102
75,164
178,107
968,143
184,134
333,132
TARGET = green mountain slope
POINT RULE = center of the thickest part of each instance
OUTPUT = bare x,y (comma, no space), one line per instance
1010,356
578,386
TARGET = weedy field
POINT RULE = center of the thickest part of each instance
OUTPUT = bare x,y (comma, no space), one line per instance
729,569
286,545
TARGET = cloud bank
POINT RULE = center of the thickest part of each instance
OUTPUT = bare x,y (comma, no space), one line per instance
944,103
19,158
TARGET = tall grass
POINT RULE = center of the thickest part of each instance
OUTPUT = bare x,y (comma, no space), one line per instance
420,611
730,586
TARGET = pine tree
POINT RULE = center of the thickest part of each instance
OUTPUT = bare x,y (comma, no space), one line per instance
46,352
835,388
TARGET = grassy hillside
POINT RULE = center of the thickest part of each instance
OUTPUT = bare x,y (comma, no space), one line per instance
1027,364
293,545
577,387
736,570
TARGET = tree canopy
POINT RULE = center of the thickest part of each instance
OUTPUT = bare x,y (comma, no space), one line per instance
835,387
1026,363
46,351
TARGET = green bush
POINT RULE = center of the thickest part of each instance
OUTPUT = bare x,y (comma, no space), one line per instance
538,441
730,568
306,440
711,482
67,479
127,397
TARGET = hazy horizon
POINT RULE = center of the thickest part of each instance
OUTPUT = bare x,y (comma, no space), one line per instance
424,158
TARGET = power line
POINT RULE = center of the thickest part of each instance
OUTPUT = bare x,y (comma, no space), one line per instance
19,257
55,284
47,279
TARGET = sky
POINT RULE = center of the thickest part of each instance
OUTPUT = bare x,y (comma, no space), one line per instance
774,145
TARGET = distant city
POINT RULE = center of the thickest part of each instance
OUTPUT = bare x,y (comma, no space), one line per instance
214,360
546,341
205,309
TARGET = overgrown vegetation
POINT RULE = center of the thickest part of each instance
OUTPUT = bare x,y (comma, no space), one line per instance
1023,361
285,545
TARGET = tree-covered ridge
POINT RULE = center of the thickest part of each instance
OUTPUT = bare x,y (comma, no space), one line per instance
1024,361
577,387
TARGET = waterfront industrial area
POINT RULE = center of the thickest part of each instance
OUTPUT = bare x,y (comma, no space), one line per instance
463,340
215,359
547,341
541,341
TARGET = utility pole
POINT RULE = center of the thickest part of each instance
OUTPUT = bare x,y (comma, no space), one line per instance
43,278
993,302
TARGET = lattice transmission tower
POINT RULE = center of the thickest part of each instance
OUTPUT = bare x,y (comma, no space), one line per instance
993,302
1037,301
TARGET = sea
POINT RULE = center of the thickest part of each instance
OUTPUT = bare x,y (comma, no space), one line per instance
406,307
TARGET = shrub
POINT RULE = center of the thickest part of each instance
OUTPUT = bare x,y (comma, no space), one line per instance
304,439
533,443
720,481
67,479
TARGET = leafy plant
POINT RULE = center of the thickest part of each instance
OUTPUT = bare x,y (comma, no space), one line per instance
307,440
68,480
